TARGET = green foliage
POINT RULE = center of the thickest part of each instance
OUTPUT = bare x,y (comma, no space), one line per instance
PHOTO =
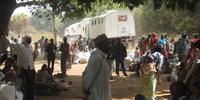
149,17
18,22
41,22
78,8
101,6
165,20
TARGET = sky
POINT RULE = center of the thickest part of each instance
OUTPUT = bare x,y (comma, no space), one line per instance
21,10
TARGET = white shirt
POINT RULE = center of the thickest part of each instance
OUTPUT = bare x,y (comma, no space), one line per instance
159,59
24,55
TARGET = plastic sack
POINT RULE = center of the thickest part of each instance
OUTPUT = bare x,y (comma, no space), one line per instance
7,92
19,95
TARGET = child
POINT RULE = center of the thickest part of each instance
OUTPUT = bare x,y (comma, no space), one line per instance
8,70
43,74
148,70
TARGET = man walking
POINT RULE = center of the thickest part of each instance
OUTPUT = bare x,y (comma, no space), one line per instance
51,55
25,67
96,84
64,48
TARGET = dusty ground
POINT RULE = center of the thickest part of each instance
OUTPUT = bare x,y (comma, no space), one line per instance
123,88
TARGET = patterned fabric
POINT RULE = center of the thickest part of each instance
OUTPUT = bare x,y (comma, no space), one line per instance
149,86
25,55
149,68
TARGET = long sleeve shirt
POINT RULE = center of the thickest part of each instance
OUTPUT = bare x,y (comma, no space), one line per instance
96,77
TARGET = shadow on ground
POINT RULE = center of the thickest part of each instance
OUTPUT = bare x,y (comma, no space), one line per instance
122,87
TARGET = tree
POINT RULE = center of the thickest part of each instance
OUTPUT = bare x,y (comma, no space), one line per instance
77,7
101,6
166,20
40,23
18,22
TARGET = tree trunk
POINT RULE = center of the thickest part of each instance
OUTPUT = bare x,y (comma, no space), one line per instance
54,27
7,7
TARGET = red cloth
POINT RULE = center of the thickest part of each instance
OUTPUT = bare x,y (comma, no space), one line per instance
146,44
191,53
154,40
195,40
153,43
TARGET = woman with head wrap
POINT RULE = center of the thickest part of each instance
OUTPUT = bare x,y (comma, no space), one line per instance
153,42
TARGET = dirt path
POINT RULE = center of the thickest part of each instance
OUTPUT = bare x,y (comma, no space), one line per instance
123,88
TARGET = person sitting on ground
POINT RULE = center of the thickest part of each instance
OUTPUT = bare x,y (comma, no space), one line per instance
43,75
140,97
8,71
45,84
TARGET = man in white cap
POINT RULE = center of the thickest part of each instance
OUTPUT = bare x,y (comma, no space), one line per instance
25,67
96,84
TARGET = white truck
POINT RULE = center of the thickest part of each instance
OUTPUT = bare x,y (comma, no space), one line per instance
114,24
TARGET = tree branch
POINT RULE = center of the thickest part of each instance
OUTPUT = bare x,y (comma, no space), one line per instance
28,3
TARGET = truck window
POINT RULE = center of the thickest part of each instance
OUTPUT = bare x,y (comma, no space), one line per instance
95,22
99,21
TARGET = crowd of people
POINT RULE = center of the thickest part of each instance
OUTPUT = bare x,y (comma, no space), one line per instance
154,56
19,56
